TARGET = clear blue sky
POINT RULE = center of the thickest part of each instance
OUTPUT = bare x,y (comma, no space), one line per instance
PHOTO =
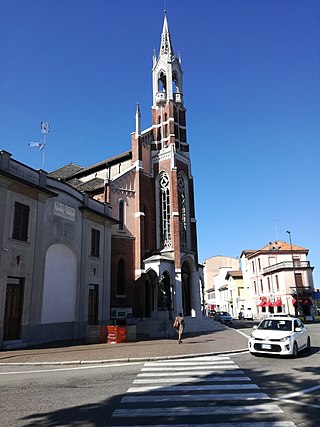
251,89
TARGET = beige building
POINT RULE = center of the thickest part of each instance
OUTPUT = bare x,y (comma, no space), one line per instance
55,245
214,276
280,280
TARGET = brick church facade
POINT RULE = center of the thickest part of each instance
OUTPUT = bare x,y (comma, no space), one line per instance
154,260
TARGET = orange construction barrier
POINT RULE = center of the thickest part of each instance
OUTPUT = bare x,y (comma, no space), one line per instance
122,334
113,334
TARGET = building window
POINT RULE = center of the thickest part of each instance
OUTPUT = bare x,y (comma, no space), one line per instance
121,214
259,264
121,280
255,287
183,135
20,222
95,242
296,261
164,203
93,305
182,118
299,282
269,287
253,269
261,285
182,211
277,283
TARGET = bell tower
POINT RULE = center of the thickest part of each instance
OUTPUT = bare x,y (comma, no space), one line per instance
168,116
167,200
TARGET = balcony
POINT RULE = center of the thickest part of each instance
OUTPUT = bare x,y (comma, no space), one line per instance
287,265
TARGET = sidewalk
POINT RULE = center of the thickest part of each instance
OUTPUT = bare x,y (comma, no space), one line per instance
210,343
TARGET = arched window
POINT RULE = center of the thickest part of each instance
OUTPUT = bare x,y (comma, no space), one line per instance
121,214
162,82
182,210
121,280
164,214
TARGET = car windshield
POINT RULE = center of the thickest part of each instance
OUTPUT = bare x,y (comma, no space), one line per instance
224,313
275,325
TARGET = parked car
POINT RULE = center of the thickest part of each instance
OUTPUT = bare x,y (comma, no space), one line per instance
276,315
247,314
279,335
223,317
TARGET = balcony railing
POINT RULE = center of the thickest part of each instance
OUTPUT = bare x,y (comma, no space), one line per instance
287,265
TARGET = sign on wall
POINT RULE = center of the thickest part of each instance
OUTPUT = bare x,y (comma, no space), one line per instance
65,211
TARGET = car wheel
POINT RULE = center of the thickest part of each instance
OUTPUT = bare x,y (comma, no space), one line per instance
295,350
308,348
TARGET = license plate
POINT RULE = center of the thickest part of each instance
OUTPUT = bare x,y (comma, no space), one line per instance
266,346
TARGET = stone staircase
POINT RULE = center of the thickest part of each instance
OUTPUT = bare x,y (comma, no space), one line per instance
160,328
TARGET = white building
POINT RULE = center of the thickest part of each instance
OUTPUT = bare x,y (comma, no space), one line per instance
214,274
280,279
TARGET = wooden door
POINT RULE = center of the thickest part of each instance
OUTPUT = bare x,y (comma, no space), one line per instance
13,310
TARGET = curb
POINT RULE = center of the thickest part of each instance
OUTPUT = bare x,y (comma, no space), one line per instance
123,360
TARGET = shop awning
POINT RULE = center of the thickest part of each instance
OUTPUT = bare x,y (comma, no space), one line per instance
269,303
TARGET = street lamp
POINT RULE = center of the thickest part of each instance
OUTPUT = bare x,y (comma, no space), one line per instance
294,273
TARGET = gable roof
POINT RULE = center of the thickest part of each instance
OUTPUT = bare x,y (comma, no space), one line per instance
274,248
72,171
65,171
237,274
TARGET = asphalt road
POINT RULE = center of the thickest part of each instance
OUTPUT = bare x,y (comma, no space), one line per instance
100,395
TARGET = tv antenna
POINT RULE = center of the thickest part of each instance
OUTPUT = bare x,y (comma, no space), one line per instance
45,128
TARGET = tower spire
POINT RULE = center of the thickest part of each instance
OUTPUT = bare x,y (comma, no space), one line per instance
138,121
166,71
166,46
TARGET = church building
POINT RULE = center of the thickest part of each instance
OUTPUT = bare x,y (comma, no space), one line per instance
149,190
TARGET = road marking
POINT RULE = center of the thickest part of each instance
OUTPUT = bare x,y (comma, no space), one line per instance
191,363
193,388
190,379
197,411
242,333
191,374
299,393
76,368
253,424
192,368
295,402
287,398
195,397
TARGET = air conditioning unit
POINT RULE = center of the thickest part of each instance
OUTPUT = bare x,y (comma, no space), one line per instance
121,312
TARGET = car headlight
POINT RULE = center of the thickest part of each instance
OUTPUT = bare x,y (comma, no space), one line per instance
288,338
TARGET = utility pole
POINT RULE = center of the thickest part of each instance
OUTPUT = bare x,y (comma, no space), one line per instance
45,128
294,273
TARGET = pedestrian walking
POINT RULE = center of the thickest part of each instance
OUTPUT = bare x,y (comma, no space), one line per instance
178,324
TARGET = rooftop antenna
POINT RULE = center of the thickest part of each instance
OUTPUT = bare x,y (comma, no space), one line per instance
45,128
275,230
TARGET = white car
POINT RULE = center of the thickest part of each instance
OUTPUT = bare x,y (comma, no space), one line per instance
279,335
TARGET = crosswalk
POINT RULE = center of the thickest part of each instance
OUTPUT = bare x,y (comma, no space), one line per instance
205,391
